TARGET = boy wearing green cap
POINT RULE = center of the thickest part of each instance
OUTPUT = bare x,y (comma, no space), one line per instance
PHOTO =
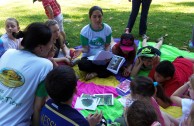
147,56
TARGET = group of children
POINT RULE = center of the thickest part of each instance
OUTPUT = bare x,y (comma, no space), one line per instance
176,78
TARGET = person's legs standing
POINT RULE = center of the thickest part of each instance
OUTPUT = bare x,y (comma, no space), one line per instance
144,14
134,13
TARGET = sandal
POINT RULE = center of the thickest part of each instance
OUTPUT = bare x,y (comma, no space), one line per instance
162,38
89,76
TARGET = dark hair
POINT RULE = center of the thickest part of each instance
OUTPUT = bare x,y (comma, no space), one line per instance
143,86
127,36
165,69
141,113
61,83
92,9
34,34
160,94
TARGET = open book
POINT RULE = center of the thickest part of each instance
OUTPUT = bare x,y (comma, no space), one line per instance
124,87
115,64
86,101
103,57
105,99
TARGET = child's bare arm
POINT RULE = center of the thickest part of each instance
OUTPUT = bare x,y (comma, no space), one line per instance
58,5
38,104
176,97
62,59
65,51
50,10
136,67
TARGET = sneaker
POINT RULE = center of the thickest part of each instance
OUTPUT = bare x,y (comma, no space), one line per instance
144,36
162,38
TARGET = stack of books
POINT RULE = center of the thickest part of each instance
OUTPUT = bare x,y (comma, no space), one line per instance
124,87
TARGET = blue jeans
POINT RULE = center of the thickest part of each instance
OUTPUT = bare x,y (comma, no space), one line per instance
144,13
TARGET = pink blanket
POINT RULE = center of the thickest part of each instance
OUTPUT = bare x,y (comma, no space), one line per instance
92,88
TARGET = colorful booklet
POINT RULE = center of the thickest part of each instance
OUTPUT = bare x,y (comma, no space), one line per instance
105,99
115,64
86,101
124,86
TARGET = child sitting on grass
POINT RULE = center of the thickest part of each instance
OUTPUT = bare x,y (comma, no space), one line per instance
61,85
69,55
186,103
126,48
8,40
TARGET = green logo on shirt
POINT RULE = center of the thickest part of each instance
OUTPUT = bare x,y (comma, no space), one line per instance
97,42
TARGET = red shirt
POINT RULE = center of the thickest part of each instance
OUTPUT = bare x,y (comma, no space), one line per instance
54,6
183,70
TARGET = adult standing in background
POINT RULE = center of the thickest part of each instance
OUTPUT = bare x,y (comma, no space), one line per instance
143,19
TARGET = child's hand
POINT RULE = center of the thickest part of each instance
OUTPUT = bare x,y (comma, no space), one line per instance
95,118
68,57
155,61
68,61
53,61
138,61
126,72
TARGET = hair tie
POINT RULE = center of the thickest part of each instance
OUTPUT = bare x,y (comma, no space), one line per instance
155,84
156,123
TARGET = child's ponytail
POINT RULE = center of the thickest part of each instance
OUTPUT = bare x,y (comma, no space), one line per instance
161,95
18,35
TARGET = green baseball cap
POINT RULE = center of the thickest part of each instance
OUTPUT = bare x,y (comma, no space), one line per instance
147,52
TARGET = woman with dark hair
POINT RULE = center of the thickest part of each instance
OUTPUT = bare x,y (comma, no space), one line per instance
22,73
95,37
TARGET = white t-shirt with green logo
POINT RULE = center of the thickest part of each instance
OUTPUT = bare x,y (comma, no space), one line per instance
96,40
20,74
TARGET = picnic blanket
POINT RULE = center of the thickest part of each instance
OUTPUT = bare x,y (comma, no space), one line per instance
107,85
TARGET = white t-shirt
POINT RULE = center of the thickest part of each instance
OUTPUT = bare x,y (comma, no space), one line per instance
9,43
186,108
96,40
20,73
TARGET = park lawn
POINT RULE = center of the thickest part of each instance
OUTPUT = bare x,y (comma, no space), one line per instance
165,16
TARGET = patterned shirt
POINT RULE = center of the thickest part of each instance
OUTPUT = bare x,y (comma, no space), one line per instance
54,6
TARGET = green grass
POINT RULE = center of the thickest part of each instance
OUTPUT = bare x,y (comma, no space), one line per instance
174,17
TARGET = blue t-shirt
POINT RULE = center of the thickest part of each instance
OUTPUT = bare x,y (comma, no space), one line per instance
61,115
